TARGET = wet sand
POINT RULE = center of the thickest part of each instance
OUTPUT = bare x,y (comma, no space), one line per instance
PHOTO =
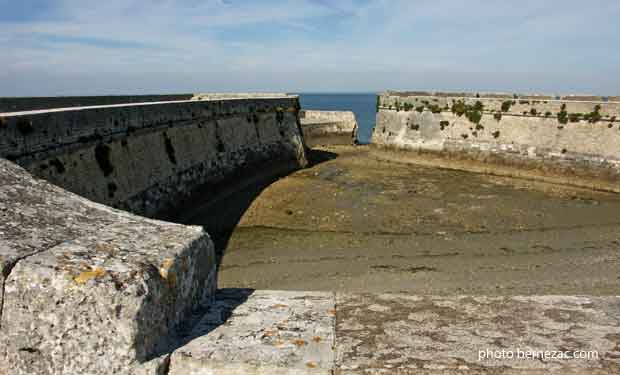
355,223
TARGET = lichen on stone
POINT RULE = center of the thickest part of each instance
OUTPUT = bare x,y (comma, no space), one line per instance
86,276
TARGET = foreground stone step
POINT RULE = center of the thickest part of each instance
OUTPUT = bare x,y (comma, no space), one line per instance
379,334
272,332
275,332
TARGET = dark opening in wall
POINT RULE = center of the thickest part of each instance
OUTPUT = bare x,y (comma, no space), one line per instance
218,139
60,167
258,132
279,115
112,188
102,155
24,126
170,149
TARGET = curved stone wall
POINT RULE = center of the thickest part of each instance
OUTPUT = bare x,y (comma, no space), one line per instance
90,289
536,134
150,157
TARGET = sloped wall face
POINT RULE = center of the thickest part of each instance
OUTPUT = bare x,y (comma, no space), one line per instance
565,136
328,127
149,158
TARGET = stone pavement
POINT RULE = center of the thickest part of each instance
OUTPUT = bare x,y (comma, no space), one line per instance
277,332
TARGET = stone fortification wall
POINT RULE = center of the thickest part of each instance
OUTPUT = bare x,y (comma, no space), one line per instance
328,127
18,104
150,157
567,137
37,103
90,289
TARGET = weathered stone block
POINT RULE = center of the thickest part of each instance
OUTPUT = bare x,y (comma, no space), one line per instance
86,288
272,332
103,302
36,215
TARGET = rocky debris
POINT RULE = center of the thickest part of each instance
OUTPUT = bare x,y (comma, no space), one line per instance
272,332
91,290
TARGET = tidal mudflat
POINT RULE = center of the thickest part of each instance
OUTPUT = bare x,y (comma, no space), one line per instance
353,222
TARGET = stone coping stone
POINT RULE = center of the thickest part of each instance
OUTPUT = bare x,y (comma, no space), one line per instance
64,107
88,289
499,95
276,332
241,95
271,332
36,215
319,115
15,104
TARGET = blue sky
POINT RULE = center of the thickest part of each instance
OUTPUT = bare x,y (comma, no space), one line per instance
80,47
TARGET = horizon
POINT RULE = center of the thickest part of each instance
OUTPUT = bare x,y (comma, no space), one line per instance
70,47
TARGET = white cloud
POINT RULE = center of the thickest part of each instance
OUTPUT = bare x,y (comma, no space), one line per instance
123,46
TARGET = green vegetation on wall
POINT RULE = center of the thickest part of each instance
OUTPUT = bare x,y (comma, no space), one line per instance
506,105
472,112
563,115
595,115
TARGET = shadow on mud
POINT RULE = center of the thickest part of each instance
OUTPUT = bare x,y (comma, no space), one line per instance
220,209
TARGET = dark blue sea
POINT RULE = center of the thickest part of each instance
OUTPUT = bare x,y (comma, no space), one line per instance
363,105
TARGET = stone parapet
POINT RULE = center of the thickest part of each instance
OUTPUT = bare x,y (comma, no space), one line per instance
149,157
328,127
89,289
564,137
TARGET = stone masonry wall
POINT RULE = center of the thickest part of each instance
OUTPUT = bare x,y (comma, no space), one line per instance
328,127
567,137
37,103
89,289
148,158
